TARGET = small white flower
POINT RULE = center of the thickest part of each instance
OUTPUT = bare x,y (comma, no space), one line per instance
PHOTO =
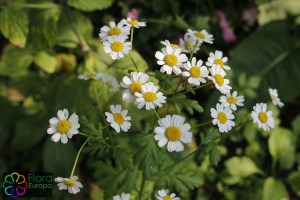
232,100
168,43
114,30
196,72
133,84
111,83
69,183
133,23
150,97
189,44
262,117
123,196
117,47
173,131
162,195
201,36
118,119
220,82
171,60
274,96
90,75
63,127
222,117
217,59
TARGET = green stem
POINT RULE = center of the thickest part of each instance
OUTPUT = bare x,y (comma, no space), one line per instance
76,160
135,65
156,113
142,188
242,124
196,88
191,56
94,138
131,36
202,124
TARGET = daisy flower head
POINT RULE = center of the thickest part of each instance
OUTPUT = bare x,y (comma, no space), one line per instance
222,117
63,127
70,184
123,196
174,131
217,59
171,60
262,116
189,44
149,97
133,84
118,118
274,96
114,29
162,195
133,23
168,43
201,36
220,82
195,71
232,100
90,75
117,46
111,83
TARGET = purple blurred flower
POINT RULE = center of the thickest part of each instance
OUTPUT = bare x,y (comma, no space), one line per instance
250,15
227,32
133,14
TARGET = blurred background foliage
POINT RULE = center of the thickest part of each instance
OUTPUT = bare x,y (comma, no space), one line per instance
45,44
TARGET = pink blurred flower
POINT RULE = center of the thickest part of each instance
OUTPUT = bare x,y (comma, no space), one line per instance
250,15
133,14
227,32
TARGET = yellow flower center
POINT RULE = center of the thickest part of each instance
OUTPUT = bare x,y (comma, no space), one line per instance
219,61
195,72
231,100
117,46
63,126
135,87
263,117
91,75
69,182
133,22
222,117
173,133
114,31
150,96
200,35
167,198
219,79
171,60
175,46
119,119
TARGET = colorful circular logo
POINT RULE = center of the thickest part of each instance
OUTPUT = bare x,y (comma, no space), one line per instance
15,185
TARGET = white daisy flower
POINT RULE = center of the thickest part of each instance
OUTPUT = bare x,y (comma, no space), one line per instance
133,84
114,30
274,96
217,59
171,60
69,183
133,23
201,36
111,83
222,117
63,127
123,196
189,44
232,100
117,47
173,131
162,195
90,75
150,97
168,43
262,117
118,119
196,72
220,82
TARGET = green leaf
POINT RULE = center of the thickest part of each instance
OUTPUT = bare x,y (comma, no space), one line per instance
46,61
189,105
90,5
14,25
294,182
211,135
279,142
241,166
214,155
274,190
253,56
93,62
127,64
296,125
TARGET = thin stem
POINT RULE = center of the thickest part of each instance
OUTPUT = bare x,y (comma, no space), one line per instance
94,138
131,36
156,113
202,124
242,124
76,160
135,65
196,88
142,188
191,56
